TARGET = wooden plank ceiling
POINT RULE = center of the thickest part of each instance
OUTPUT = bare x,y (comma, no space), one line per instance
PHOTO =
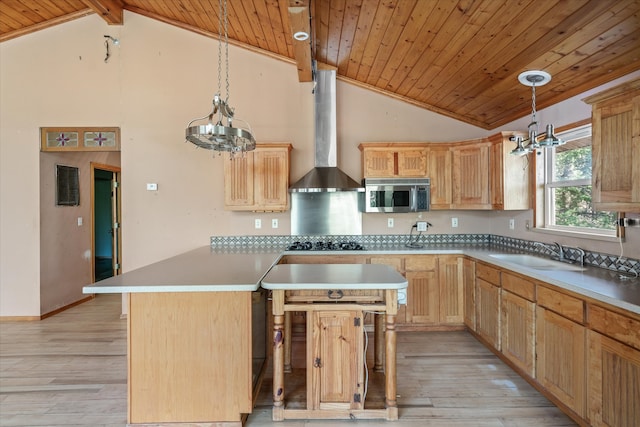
460,58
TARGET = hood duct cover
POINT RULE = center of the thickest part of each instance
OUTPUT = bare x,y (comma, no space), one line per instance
326,176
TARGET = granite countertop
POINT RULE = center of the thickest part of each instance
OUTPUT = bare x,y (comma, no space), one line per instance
212,269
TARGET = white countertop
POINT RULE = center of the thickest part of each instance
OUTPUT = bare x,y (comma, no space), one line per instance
209,269
333,276
200,270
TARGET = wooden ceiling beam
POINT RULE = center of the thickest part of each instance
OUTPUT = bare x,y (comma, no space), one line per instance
299,21
110,10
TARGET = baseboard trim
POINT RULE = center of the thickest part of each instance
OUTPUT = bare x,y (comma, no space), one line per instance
66,307
19,318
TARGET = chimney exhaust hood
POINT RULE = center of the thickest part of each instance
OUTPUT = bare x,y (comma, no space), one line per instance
325,177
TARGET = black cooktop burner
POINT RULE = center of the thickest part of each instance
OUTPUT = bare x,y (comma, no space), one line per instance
326,246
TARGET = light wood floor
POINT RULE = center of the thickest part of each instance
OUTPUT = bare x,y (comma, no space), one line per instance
70,370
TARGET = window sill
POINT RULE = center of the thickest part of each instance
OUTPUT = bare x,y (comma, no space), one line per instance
577,235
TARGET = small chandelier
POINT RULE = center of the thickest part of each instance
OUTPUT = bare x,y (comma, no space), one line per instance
532,143
215,134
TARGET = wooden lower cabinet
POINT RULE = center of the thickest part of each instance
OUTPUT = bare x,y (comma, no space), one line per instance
517,335
488,312
450,284
337,378
435,293
469,289
560,367
613,382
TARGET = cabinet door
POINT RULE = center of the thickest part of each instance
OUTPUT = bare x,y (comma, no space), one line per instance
423,296
488,312
335,368
439,164
412,163
450,275
471,176
560,368
239,182
508,175
615,148
271,170
258,180
614,381
378,163
517,339
469,280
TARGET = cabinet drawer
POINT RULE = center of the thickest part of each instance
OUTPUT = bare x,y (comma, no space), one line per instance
334,295
565,305
519,286
488,274
614,325
421,263
395,262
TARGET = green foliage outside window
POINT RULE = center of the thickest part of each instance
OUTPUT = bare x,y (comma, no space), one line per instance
573,207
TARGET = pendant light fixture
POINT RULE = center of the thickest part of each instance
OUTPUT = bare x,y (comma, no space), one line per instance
216,134
532,143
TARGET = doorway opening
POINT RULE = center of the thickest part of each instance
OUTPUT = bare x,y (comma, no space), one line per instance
106,231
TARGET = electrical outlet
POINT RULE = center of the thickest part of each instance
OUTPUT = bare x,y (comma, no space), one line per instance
454,222
274,223
390,222
258,223
421,225
512,224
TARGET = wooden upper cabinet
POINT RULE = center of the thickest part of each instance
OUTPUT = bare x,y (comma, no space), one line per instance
439,164
471,175
616,148
258,180
508,175
387,160
475,174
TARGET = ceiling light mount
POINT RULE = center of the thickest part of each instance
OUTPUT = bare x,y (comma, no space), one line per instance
532,79
113,40
217,134
301,36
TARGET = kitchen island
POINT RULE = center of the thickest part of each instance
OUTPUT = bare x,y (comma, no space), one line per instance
189,336
335,298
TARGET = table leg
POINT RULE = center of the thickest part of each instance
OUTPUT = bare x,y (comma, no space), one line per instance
378,342
287,342
278,368
390,362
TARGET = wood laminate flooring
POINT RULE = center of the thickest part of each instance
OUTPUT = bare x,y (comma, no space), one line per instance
70,370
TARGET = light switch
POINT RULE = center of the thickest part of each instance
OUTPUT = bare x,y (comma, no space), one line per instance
152,186
79,221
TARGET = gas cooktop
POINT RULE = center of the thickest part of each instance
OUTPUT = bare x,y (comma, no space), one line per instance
326,246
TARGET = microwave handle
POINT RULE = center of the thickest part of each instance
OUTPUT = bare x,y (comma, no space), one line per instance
414,199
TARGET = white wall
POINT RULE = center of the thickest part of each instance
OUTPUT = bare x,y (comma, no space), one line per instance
157,80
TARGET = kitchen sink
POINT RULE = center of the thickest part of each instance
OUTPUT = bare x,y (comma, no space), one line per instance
537,263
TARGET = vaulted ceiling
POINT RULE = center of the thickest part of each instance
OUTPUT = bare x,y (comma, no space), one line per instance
460,58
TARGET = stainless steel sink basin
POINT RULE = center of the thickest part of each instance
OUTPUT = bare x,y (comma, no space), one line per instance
537,263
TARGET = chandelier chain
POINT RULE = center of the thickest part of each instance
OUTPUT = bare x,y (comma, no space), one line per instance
219,47
226,44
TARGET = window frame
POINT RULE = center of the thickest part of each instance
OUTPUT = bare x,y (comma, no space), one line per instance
572,132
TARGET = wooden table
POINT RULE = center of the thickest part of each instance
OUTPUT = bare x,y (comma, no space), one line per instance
335,297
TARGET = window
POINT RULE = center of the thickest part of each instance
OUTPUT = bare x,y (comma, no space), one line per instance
567,187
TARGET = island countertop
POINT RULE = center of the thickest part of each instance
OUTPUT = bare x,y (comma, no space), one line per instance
200,270
332,276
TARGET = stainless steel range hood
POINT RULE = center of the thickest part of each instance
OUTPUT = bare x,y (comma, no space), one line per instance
325,177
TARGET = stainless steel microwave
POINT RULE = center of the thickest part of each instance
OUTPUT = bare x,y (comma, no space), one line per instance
397,194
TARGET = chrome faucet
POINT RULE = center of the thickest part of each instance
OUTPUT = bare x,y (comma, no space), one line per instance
581,252
555,248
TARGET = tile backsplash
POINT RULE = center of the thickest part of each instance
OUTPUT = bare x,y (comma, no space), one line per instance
380,241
